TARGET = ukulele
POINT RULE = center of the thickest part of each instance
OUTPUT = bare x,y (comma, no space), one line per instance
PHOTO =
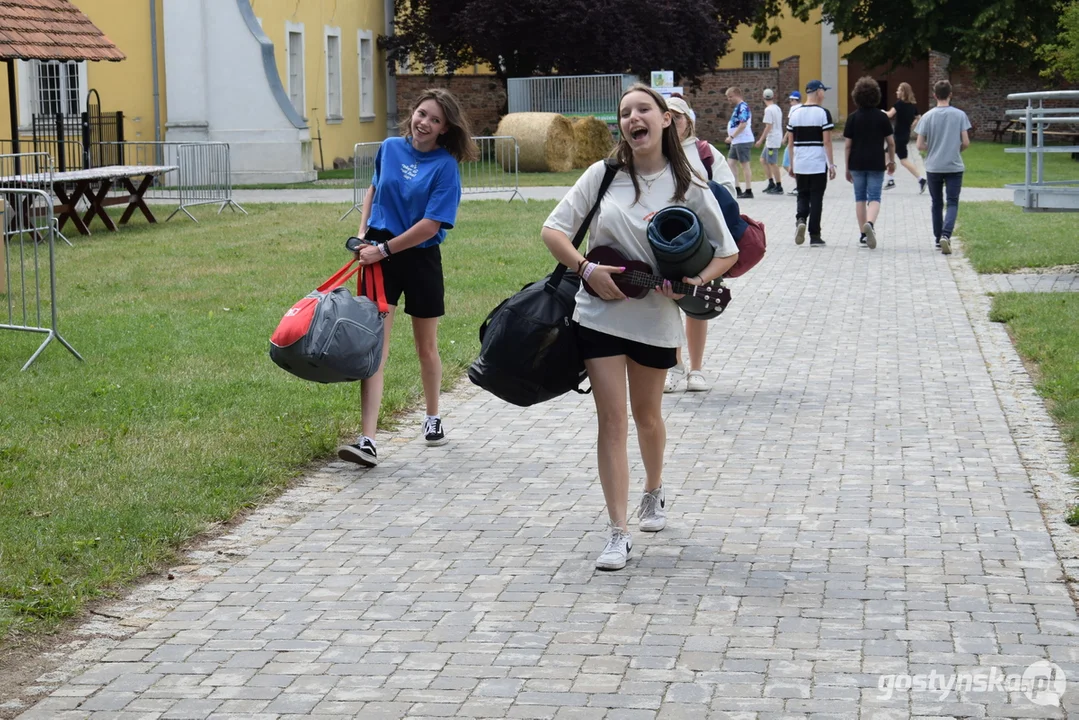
639,278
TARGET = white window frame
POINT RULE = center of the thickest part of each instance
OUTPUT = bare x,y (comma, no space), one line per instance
752,60
366,74
290,28
334,105
26,93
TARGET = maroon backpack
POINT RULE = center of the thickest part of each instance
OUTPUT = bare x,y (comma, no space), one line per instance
707,158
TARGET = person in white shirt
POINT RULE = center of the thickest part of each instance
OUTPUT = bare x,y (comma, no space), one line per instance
708,162
795,101
627,341
772,137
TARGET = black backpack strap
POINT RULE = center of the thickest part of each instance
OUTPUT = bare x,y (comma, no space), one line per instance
610,168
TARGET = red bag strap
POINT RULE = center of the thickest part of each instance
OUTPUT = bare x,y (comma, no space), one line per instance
375,286
340,277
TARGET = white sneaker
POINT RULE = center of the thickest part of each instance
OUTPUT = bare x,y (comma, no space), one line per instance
695,382
800,234
674,378
870,235
651,513
615,554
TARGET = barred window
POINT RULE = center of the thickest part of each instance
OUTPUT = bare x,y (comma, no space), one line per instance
756,60
54,87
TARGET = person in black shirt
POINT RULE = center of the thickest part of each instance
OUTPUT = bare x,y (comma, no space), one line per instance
867,133
905,112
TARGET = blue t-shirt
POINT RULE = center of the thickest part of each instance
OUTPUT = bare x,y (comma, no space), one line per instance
411,186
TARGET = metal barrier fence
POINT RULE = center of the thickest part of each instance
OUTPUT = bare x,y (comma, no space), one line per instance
496,169
203,174
596,95
28,171
1036,193
28,227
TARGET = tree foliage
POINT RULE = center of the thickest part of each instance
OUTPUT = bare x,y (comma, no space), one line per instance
1062,56
518,38
987,36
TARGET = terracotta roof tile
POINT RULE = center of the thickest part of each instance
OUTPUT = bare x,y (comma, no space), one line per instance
51,30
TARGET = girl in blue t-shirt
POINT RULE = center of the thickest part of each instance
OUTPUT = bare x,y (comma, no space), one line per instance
410,205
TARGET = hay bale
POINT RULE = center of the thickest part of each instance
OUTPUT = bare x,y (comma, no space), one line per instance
545,141
592,141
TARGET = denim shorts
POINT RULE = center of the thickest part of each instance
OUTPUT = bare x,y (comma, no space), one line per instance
867,184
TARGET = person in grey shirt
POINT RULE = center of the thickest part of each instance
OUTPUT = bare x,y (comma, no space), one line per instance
944,132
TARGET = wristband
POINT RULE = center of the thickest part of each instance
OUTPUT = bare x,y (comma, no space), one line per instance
384,248
588,270
580,264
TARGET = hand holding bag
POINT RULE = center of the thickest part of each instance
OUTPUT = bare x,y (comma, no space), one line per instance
528,344
331,336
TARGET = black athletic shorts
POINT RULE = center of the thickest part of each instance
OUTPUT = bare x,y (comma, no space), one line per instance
415,273
901,146
595,344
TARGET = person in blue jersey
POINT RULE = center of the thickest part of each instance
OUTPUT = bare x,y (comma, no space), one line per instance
410,205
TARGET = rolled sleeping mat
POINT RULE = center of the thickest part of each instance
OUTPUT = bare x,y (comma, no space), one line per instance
677,240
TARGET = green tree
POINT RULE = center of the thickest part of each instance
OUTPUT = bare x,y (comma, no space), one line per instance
1062,57
987,36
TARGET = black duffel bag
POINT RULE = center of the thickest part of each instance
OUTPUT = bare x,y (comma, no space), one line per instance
528,344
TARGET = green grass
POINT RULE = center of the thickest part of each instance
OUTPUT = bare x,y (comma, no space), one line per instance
178,419
999,237
1045,327
987,165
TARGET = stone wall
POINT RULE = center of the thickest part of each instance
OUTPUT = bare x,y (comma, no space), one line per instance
713,111
482,97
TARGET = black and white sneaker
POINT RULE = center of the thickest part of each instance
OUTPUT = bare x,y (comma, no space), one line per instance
890,185
362,452
433,432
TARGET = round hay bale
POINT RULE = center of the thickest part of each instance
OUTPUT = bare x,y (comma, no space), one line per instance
592,141
545,141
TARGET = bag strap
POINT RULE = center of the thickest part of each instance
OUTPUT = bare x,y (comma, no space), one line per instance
610,168
376,285
340,277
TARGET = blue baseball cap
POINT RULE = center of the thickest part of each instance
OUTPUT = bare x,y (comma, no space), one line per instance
815,85
795,95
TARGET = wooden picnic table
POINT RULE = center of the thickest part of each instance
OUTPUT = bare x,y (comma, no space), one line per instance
94,185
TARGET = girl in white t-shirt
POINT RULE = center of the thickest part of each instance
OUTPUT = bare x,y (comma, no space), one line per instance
708,162
633,340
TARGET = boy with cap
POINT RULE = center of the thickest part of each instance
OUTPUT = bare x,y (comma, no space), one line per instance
772,137
809,133
795,100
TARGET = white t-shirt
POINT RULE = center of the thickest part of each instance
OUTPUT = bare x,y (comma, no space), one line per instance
622,224
773,115
721,171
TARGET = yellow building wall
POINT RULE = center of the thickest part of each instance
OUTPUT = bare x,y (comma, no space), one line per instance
350,16
128,85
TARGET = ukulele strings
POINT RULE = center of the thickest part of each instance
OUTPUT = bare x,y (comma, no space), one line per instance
642,279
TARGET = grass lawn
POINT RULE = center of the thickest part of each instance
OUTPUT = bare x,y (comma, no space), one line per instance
987,165
1045,327
178,419
999,237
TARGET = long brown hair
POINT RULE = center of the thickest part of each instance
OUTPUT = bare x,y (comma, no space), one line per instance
906,93
672,149
458,139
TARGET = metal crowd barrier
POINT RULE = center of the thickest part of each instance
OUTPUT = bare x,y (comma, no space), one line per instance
29,171
1036,193
363,171
28,242
203,175
496,169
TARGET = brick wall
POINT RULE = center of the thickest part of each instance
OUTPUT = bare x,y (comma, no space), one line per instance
985,104
482,97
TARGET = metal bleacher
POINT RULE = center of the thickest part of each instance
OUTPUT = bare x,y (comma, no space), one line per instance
1037,194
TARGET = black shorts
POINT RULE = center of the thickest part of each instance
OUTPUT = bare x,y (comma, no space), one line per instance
415,273
595,344
901,147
